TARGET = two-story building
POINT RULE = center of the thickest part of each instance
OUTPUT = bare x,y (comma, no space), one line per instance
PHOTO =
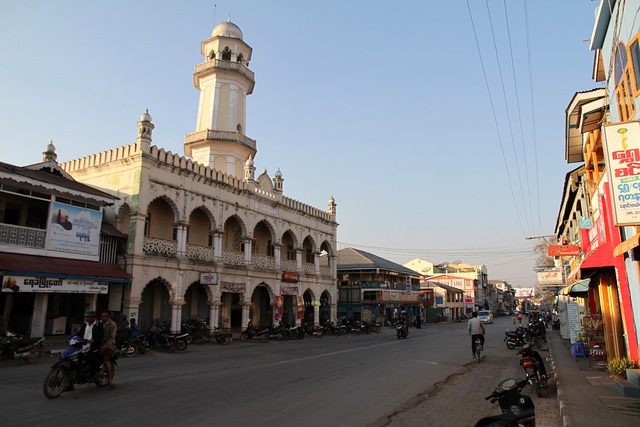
57,250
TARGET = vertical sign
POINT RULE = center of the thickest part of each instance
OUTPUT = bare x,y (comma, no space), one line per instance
621,142
572,311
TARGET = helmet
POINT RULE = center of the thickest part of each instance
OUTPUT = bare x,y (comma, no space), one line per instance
123,317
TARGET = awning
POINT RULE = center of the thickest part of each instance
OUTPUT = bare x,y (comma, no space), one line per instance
602,256
42,266
578,289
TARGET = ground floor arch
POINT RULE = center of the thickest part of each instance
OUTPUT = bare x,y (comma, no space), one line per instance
261,309
155,303
196,302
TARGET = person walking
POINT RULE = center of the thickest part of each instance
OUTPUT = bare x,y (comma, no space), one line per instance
476,329
107,347
520,318
418,325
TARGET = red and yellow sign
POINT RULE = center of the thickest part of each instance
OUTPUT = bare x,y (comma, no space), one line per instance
290,276
564,250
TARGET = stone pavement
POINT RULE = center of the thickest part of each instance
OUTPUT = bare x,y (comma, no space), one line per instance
587,396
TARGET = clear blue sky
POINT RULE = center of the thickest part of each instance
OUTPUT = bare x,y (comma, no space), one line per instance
382,104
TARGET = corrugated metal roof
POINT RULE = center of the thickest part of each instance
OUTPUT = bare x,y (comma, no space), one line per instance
356,259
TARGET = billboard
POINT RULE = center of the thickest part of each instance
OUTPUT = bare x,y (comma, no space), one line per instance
525,292
74,229
621,143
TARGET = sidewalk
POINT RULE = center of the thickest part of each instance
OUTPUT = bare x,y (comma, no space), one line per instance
586,396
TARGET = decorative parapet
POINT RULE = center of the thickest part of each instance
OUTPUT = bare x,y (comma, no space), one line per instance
22,236
233,257
325,272
199,252
310,210
156,246
309,269
263,262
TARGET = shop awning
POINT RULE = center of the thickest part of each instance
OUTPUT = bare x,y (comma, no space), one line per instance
41,266
578,289
602,256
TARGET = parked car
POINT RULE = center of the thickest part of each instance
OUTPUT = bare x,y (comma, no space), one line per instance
486,316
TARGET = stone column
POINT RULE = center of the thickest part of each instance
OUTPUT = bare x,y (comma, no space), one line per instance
248,244
276,254
39,314
176,316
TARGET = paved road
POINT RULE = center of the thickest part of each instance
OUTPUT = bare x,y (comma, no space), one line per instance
360,380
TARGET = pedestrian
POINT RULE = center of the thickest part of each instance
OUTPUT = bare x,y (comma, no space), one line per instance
133,327
513,316
418,325
520,318
122,330
107,347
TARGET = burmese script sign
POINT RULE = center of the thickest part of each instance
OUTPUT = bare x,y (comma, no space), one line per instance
74,229
553,277
621,142
27,284
563,250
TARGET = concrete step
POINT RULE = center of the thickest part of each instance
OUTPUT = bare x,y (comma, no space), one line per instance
626,388
633,375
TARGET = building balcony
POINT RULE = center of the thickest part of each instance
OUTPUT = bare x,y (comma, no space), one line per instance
222,64
162,247
22,236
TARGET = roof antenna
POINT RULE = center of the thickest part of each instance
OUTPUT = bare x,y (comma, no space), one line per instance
215,7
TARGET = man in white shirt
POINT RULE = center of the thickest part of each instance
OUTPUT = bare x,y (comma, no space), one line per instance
476,329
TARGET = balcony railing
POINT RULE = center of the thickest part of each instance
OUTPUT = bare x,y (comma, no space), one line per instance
22,236
156,246
199,252
263,262
222,64
233,257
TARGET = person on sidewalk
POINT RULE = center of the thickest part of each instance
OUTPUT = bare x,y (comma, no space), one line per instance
476,329
107,347
418,325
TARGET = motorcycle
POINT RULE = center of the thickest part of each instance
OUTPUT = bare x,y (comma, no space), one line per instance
517,409
252,333
15,346
534,368
477,348
76,367
402,331
127,348
520,337
311,329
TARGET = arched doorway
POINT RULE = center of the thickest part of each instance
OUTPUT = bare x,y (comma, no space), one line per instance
154,304
196,302
325,307
308,307
231,310
261,311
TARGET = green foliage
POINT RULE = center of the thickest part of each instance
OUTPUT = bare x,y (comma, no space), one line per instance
620,366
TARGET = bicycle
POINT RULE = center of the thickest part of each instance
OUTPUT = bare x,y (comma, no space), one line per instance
477,348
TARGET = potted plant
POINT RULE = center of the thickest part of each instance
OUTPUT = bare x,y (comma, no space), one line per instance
618,367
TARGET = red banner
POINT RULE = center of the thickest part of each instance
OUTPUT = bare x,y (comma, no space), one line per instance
564,250
278,308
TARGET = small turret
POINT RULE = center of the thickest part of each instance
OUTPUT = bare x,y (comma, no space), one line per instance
145,128
50,154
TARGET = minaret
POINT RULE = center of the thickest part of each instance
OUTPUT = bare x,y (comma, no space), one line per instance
224,82
145,128
49,155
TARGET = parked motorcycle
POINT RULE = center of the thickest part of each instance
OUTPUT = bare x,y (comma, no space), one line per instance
517,409
252,333
127,348
520,337
533,366
15,346
311,329
76,366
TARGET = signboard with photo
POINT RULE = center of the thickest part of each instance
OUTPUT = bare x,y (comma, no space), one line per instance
74,229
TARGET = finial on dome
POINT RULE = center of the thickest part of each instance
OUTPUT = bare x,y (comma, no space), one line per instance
145,117
278,173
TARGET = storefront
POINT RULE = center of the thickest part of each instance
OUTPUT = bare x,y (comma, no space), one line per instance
46,295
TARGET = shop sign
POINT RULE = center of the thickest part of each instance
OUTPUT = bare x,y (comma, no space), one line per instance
553,277
27,284
278,308
563,250
621,143
209,278
300,308
468,300
288,290
393,296
290,276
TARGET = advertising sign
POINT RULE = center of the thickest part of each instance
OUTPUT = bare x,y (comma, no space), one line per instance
28,284
553,277
621,143
563,250
279,303
525,292
290,276
300,308
74,229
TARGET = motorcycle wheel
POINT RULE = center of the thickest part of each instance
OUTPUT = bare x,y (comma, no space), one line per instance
181,345
224,339
376,328
169,346
130,350
536,387
399,334
244,337
101,379
55,382
34,355
264,338
140,348
511,345
319,333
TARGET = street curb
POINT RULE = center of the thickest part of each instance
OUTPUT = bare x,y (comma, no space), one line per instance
566,422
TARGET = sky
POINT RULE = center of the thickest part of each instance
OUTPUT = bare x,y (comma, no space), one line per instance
437,126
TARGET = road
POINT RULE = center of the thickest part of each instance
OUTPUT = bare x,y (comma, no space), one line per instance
370,380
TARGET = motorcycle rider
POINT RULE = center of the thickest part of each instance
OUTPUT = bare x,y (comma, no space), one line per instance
92,331
404,321
476,329
107,345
